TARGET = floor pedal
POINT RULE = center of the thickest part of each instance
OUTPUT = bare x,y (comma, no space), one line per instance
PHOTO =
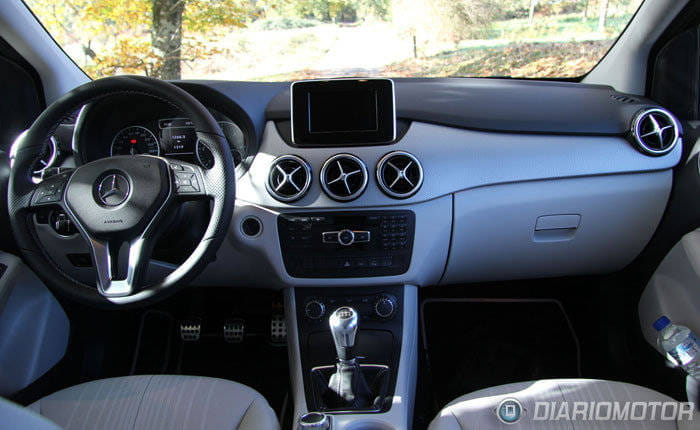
278,329
191,329
234,330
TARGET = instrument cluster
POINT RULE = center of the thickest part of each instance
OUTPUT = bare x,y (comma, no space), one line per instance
176,138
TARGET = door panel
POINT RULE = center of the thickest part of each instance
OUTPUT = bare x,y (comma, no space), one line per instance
34,329
674,289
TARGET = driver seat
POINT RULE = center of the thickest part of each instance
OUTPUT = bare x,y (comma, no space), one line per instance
158,402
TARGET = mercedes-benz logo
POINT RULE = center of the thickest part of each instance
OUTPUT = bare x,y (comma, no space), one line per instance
113,190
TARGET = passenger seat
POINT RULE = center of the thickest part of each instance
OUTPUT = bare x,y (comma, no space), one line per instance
536,403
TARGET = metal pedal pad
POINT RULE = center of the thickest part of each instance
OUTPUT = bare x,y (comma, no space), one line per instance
234,330
191,329
278,329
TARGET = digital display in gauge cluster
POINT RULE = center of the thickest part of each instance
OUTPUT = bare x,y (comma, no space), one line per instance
177,137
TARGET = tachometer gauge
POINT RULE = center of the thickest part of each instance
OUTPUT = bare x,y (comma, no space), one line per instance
236,142
135,140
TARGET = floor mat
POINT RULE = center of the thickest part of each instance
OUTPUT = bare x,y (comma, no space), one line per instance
480,343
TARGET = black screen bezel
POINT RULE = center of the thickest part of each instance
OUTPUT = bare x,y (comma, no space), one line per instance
386,114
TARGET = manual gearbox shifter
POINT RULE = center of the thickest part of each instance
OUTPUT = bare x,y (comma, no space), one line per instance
343,324
347,387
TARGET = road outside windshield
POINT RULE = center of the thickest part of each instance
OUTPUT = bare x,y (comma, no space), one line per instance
282,40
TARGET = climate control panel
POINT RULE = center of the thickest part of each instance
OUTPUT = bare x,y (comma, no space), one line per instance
346,244
381,307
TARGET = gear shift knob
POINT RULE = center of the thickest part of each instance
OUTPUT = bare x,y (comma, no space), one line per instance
343,324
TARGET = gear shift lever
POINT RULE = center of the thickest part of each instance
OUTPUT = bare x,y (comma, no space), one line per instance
343,324
347,387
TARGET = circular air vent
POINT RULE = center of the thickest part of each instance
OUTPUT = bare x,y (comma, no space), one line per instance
344,177
289,178
399,174
655,131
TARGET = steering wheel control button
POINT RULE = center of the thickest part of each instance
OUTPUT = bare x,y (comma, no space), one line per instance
50,191
346,237
112,190
185,179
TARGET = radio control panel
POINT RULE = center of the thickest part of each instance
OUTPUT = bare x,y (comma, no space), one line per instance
346,244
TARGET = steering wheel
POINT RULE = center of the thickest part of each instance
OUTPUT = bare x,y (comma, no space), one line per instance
120,204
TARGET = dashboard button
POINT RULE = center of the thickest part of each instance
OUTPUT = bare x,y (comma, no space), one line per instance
330,237
346,237
361,236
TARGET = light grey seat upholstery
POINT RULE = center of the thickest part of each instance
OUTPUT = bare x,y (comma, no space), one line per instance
478,409
158,402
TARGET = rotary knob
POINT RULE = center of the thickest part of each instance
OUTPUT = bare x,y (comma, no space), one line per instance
315,309
385,306
346,237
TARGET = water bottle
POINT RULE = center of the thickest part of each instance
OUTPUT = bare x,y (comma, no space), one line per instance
680,344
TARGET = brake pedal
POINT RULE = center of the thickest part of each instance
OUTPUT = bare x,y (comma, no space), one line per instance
234,330
278,329
191,330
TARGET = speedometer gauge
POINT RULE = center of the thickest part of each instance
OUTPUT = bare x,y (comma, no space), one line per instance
135,140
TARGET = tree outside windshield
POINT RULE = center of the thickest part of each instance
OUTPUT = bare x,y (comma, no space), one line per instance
281,40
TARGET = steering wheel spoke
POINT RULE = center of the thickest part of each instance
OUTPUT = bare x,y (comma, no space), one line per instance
118,278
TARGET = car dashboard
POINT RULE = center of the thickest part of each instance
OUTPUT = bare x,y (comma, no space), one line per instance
502,179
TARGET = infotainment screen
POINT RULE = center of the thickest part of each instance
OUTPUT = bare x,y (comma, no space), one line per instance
343,112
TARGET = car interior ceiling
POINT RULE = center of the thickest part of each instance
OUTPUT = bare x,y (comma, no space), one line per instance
483,232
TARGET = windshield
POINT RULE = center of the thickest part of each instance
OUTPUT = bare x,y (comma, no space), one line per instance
282,40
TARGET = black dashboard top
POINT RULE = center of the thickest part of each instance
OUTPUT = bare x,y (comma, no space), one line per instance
505,105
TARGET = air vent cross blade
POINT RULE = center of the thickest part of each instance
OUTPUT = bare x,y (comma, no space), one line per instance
399,174
655,131
344,177
289,178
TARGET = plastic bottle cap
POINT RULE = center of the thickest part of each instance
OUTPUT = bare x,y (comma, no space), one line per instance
662,323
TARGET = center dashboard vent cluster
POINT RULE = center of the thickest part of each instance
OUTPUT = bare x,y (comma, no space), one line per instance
344,177
655,131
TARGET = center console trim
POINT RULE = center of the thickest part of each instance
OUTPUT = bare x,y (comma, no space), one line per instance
400,415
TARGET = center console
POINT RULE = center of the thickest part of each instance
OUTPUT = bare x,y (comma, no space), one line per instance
353,353
346,244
